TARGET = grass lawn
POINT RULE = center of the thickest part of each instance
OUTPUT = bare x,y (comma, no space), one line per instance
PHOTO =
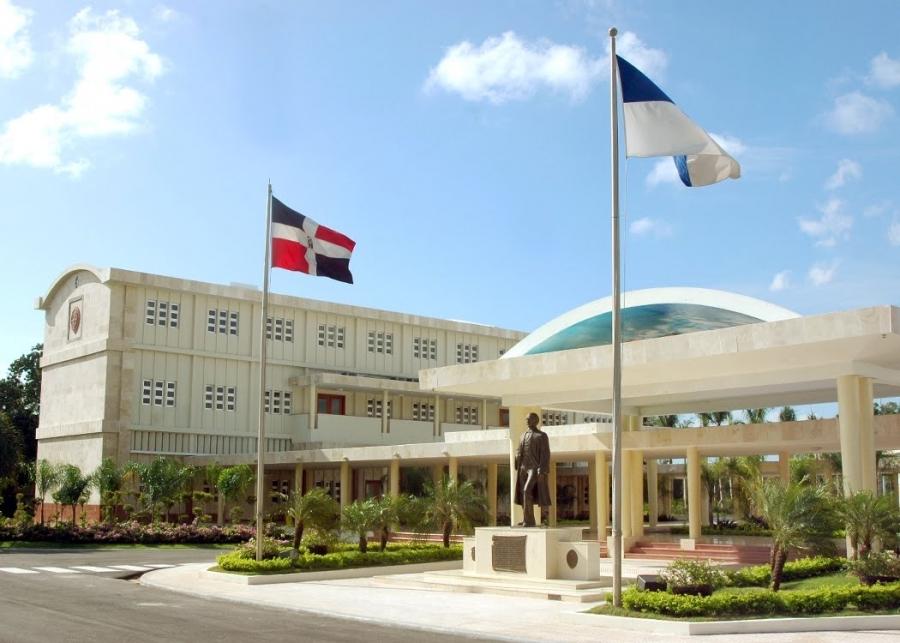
25,544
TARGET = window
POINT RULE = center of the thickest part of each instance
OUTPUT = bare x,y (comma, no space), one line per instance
208,396
423,411
331,404
267,399
276,402
220,398
375,407
146,392
170,393
230,397
331,336
289,330
389,343
233,324
158,393
173,315
279,330
466,353
286,398
211,321
162,313
554,418
504,417
424,348
223,321
381,342
467,415
150,315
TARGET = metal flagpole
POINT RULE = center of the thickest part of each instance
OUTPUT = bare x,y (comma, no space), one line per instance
616,332
261,440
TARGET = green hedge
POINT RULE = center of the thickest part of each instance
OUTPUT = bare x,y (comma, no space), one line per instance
235,562
764,602
761,575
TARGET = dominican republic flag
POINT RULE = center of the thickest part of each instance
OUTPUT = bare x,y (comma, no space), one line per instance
654,126
301,244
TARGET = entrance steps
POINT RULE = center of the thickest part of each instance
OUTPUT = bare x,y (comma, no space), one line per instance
720,553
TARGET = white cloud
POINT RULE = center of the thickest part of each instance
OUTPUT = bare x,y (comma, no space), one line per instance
884,71
15,46
664,171
894,233
165,14
646,226
846,170
505,68
109,55
821,274
856,113
833,225
877,209
652,62
730,144
780,281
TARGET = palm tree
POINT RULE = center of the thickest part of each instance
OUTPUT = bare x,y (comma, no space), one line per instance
721,417
867,517
163,480
107,478
74,488
454,505
756,416
360,518
316,510
787,414
798,515
387,516
664,420
46,477
233,484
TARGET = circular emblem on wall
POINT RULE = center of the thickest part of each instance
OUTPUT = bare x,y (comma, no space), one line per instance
572,559
75,319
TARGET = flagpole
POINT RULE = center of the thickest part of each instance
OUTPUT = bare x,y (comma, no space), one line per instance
261,439
616,332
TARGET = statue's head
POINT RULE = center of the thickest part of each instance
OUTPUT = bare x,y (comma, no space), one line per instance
533,421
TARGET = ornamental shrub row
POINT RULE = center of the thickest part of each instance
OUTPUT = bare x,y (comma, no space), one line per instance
236,562
127,533
761,575
764,602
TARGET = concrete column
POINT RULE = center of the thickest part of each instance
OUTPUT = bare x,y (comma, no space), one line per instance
298,477
637,494
652,491
593,514
385,398
848,390
551,482
518,424
484,405
436,429
437,474
670,492
693,492
220,508
346,482
453,469
492,493
627,504
867,435
600,494
784,467
394,477
704,503
310,479
313,402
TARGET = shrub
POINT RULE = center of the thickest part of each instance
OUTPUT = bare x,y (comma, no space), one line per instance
127,533
271,548
875,566
761,575
236,562
685,573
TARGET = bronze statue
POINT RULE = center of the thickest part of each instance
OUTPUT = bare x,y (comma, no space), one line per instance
533,465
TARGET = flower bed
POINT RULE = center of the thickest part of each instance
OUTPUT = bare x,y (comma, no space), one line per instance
127,533
345,557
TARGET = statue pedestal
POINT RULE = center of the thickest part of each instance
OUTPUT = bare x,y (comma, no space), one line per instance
534,553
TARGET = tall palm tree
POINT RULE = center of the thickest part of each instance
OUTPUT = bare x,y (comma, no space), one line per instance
798,515
163,480
46,477
452,505
756,416
233,484
360,518
107,478
386,518
867,517
664,420
74,487
316,510
787,414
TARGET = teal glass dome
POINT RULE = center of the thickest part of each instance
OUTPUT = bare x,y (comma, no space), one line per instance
648,314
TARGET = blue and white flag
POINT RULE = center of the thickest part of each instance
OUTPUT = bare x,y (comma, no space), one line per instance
654,126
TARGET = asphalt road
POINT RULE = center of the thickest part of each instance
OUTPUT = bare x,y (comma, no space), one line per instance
63,595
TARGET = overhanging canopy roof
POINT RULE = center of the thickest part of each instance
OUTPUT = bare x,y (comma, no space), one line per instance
791,361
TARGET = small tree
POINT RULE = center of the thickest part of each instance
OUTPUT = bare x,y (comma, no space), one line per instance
163,480
107,478
798,515
74,487
316,510
46,478
360,518
233,484
386,517
787,414
454,506
867,517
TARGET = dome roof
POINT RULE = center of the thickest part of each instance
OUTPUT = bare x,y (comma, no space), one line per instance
655,312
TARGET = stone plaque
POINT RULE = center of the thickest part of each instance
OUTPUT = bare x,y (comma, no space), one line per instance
508,553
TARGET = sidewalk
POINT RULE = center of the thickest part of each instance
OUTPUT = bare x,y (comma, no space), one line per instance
475,615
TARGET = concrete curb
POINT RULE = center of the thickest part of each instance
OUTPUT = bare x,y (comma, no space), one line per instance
332,574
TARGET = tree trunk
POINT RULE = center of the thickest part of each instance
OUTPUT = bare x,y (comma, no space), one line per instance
385,534
74,504
298,536
448,528
363,543
778,569
42,512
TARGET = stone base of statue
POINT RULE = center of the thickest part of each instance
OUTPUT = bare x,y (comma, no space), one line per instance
536,553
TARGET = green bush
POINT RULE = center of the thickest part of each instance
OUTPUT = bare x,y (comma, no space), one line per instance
691,573
761,575
877,565
236,561
764,602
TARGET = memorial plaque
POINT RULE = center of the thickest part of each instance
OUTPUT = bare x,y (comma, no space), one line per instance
508,554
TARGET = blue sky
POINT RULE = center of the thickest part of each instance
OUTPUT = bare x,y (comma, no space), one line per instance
463,145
